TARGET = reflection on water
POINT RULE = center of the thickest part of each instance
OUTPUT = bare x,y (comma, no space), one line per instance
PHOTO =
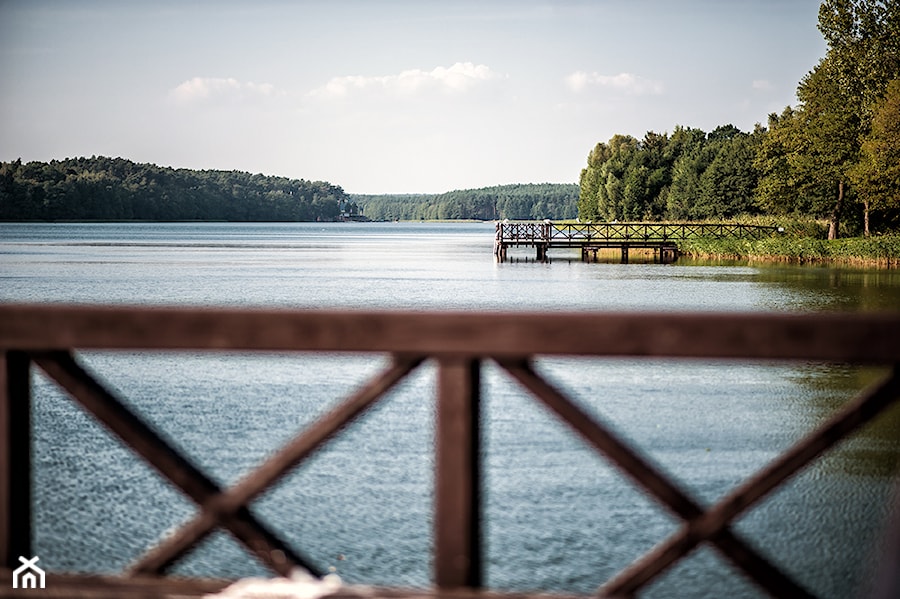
835,288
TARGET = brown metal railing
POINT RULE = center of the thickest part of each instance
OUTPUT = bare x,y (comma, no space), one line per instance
49,336
578,234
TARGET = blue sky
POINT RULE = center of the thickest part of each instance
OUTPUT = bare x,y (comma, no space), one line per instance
388,97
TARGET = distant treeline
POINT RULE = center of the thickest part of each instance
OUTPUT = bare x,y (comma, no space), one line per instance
519,201
100,188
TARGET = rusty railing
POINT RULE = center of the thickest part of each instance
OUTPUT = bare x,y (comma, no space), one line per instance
48,337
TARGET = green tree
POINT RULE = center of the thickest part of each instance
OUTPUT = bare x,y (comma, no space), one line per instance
877,175
689,156
727,185
611,194
686,176
863,39
829,138
776,192
807,155
590,182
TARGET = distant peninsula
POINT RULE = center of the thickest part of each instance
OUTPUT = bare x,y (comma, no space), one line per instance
101,188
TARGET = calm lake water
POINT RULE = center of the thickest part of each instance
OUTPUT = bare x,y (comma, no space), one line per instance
558,518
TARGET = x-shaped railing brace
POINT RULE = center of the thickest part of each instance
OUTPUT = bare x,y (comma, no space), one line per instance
228,508
710,524
217,507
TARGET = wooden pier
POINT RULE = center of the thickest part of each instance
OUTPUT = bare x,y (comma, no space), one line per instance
50,337
591,238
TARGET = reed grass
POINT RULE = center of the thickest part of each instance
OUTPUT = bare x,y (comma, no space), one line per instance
877,251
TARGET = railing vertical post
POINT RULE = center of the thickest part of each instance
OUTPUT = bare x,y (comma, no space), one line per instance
457,522
15,459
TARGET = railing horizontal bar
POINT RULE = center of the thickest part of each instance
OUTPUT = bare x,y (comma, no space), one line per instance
839,337
74,586
94,586
62,367
272,470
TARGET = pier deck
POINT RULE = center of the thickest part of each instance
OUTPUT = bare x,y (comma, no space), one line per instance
663,238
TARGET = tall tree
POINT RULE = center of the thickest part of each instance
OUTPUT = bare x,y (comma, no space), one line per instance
590,182
877,175
809,152
829,140
726,186
863,39
689,156
611,193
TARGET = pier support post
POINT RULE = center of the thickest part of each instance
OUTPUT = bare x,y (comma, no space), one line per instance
457,521
541,251
15,459
624,253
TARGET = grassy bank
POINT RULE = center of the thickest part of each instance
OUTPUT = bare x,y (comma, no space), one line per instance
880,251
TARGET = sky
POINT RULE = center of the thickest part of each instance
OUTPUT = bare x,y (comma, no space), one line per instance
396,96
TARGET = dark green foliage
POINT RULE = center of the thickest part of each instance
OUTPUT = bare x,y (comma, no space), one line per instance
728,182
688,176
521,201
102,188
877,175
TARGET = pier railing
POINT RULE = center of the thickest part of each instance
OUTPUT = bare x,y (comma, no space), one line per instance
580,233
544,235
656,231
50,337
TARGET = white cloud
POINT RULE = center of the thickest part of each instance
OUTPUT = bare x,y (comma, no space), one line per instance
762,84
627,83
459,77
208,88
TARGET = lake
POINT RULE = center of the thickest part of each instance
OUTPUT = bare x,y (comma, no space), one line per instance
557,517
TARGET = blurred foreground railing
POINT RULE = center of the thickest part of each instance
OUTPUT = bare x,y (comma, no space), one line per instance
48,337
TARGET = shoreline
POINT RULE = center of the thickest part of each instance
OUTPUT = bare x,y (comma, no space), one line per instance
862,252
856,262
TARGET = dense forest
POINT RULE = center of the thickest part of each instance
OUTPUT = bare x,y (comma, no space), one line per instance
686,176
835,156
520,201
102,188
